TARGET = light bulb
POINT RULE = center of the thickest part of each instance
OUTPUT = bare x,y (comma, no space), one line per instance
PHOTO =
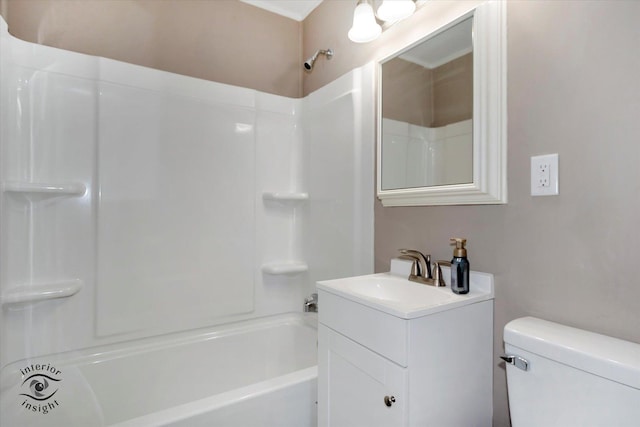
395,10
365,28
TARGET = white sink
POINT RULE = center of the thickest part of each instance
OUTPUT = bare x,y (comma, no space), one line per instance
401,298
395,289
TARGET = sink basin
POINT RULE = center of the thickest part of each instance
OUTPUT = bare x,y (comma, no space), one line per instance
394,289
399,297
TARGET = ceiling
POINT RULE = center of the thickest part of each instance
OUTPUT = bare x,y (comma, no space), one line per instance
444,47
294,9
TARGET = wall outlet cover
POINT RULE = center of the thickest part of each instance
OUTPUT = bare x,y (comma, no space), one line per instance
544,175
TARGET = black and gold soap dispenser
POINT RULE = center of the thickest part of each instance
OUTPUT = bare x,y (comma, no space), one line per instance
459,267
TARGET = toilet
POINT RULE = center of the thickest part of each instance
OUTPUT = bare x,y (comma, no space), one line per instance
565,377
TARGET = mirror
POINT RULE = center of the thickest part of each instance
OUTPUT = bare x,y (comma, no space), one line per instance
441,115
427,112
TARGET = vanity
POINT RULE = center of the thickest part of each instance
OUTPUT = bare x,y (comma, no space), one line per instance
397,353
393,352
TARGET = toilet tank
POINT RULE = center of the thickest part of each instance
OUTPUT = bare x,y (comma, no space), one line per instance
573,378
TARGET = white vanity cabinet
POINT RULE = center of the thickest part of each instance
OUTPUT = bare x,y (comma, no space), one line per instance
395,353
360,384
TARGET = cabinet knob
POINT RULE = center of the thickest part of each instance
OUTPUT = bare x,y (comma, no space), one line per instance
389,400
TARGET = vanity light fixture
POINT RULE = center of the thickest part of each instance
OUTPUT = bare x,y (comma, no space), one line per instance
395,10
365,27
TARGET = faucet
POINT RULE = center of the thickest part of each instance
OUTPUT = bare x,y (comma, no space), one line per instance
311,304
421,268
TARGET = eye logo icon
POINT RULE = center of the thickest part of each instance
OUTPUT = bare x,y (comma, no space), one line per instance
40,383
40,387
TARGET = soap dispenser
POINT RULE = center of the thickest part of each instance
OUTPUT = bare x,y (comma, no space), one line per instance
459,267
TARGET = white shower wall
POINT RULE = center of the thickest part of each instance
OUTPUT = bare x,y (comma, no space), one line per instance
339,144
137,198
418,156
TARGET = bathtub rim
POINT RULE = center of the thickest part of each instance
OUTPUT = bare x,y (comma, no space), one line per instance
107,352
218,401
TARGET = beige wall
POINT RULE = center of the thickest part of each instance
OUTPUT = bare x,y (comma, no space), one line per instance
573,89
223,40
428,97
407,92
453,91
327,27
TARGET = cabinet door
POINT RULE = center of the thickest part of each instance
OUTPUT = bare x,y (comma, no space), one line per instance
353,382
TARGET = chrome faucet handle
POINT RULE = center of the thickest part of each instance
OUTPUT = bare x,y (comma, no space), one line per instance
415,269
438,280
424,262
311,303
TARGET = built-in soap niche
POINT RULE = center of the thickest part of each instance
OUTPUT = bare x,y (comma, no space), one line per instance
37,191
32,209
286,198
289,202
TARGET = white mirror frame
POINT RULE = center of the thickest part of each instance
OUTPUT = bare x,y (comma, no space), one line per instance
489,184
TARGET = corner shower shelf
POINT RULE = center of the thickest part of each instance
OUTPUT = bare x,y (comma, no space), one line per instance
285,268
41,292
285,196
40,189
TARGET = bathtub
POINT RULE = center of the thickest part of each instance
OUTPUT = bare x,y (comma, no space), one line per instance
261,372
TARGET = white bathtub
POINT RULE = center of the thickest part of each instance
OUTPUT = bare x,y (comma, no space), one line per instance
256,373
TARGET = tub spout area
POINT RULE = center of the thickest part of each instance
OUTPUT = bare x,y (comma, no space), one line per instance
311,303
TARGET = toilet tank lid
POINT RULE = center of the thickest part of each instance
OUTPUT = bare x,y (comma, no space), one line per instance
601,355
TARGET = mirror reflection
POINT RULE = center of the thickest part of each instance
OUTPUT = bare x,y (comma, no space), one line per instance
427,112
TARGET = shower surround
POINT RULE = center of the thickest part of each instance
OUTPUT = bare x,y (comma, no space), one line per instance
138,203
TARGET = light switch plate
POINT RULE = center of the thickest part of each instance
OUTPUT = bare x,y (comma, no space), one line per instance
544,175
